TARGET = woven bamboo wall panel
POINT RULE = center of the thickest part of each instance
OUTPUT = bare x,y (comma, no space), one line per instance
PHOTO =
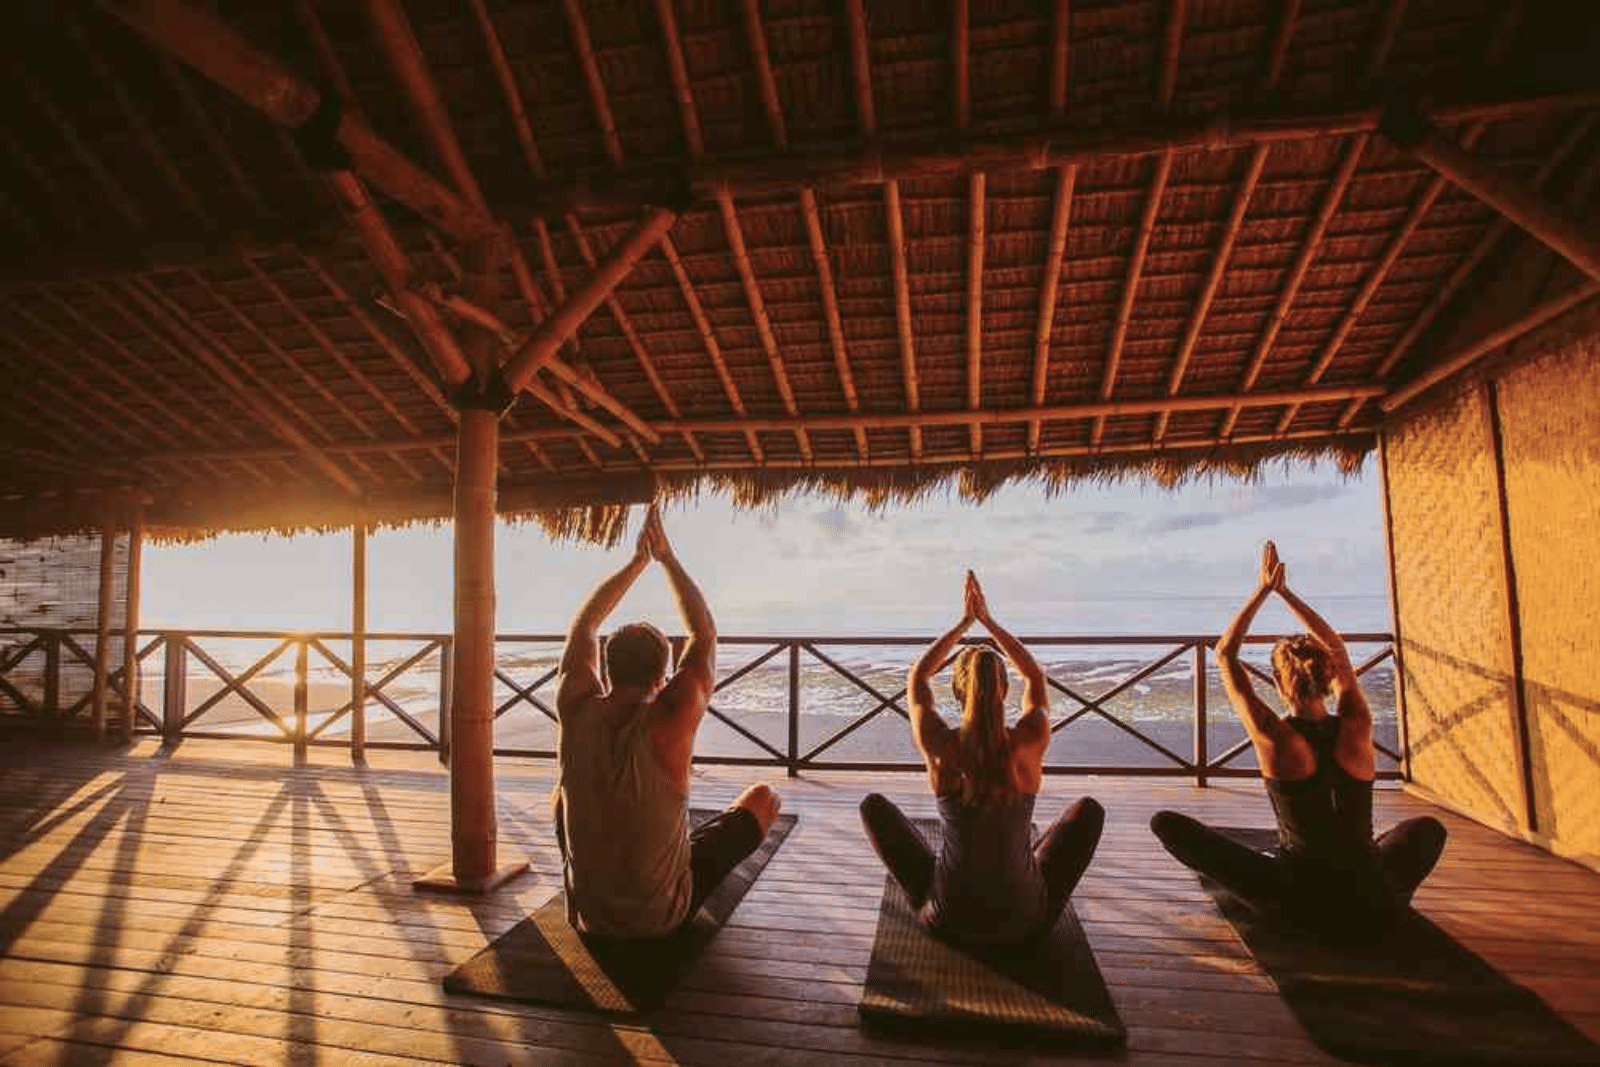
55,585
1450,594
1552,458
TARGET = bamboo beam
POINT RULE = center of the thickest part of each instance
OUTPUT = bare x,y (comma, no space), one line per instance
867,117
102,644
694,139
1046,147
395,268
755,34
635,343
956,459
1060,217
758,313
1309,248
812,216
1369,285
977,196
896,421
405,58
358,643
542,346
708,338
1130,288
1569,237
1167,81
1219,266
1271,71
130,628
190,33
1451,365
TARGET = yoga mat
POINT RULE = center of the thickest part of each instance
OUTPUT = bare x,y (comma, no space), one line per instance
1046,991
1409,994
543,960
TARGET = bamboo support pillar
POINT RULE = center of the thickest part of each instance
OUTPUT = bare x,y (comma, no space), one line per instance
358,642
130,630
1569,237
102,644
474,866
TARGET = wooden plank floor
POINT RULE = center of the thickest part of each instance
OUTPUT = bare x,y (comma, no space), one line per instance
220,904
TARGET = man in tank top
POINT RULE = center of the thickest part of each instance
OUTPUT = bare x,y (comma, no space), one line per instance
632,866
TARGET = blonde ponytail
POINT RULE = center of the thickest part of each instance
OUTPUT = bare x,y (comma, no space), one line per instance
983,745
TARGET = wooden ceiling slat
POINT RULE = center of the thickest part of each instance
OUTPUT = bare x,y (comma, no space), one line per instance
260,396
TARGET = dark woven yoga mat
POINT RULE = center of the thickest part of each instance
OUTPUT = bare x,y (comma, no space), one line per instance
1411,993
1048,991
543,960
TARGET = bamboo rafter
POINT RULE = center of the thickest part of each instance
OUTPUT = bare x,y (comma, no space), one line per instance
867,118
204,347
407,61
1309,248
1060,216
977,212
1266,84
1455,363
204,41
755,32
1467,268
732,230
1369,287
1171,50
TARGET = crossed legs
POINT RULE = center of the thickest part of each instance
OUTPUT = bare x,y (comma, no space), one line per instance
1407,852
1063,853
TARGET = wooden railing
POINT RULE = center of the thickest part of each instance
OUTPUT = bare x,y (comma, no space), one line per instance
32,665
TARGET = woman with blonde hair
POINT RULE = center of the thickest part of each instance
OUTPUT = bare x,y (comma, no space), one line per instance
1319,766
988,883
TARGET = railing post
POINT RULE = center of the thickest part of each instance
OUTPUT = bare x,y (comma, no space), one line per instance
794,709
52,672
175,687
358,643
302,696
1201,748
447,662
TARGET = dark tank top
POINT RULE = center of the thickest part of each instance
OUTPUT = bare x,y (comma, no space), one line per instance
1325,830
987,888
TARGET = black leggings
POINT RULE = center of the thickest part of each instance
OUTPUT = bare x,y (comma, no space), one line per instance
1407,852
1063,853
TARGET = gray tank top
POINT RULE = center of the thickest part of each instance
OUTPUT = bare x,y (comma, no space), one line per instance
987,887
627,828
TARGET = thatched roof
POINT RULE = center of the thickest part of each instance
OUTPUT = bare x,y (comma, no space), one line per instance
917,244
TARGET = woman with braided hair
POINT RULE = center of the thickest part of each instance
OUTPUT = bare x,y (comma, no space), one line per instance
1328,871
988,883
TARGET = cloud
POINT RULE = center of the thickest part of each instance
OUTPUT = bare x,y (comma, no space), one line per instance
1284,497
836,524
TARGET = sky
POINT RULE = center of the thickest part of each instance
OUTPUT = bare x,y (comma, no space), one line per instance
1126,558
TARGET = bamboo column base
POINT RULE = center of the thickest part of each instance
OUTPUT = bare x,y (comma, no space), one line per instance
442,879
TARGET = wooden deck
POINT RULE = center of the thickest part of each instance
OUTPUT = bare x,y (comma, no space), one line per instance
222,905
